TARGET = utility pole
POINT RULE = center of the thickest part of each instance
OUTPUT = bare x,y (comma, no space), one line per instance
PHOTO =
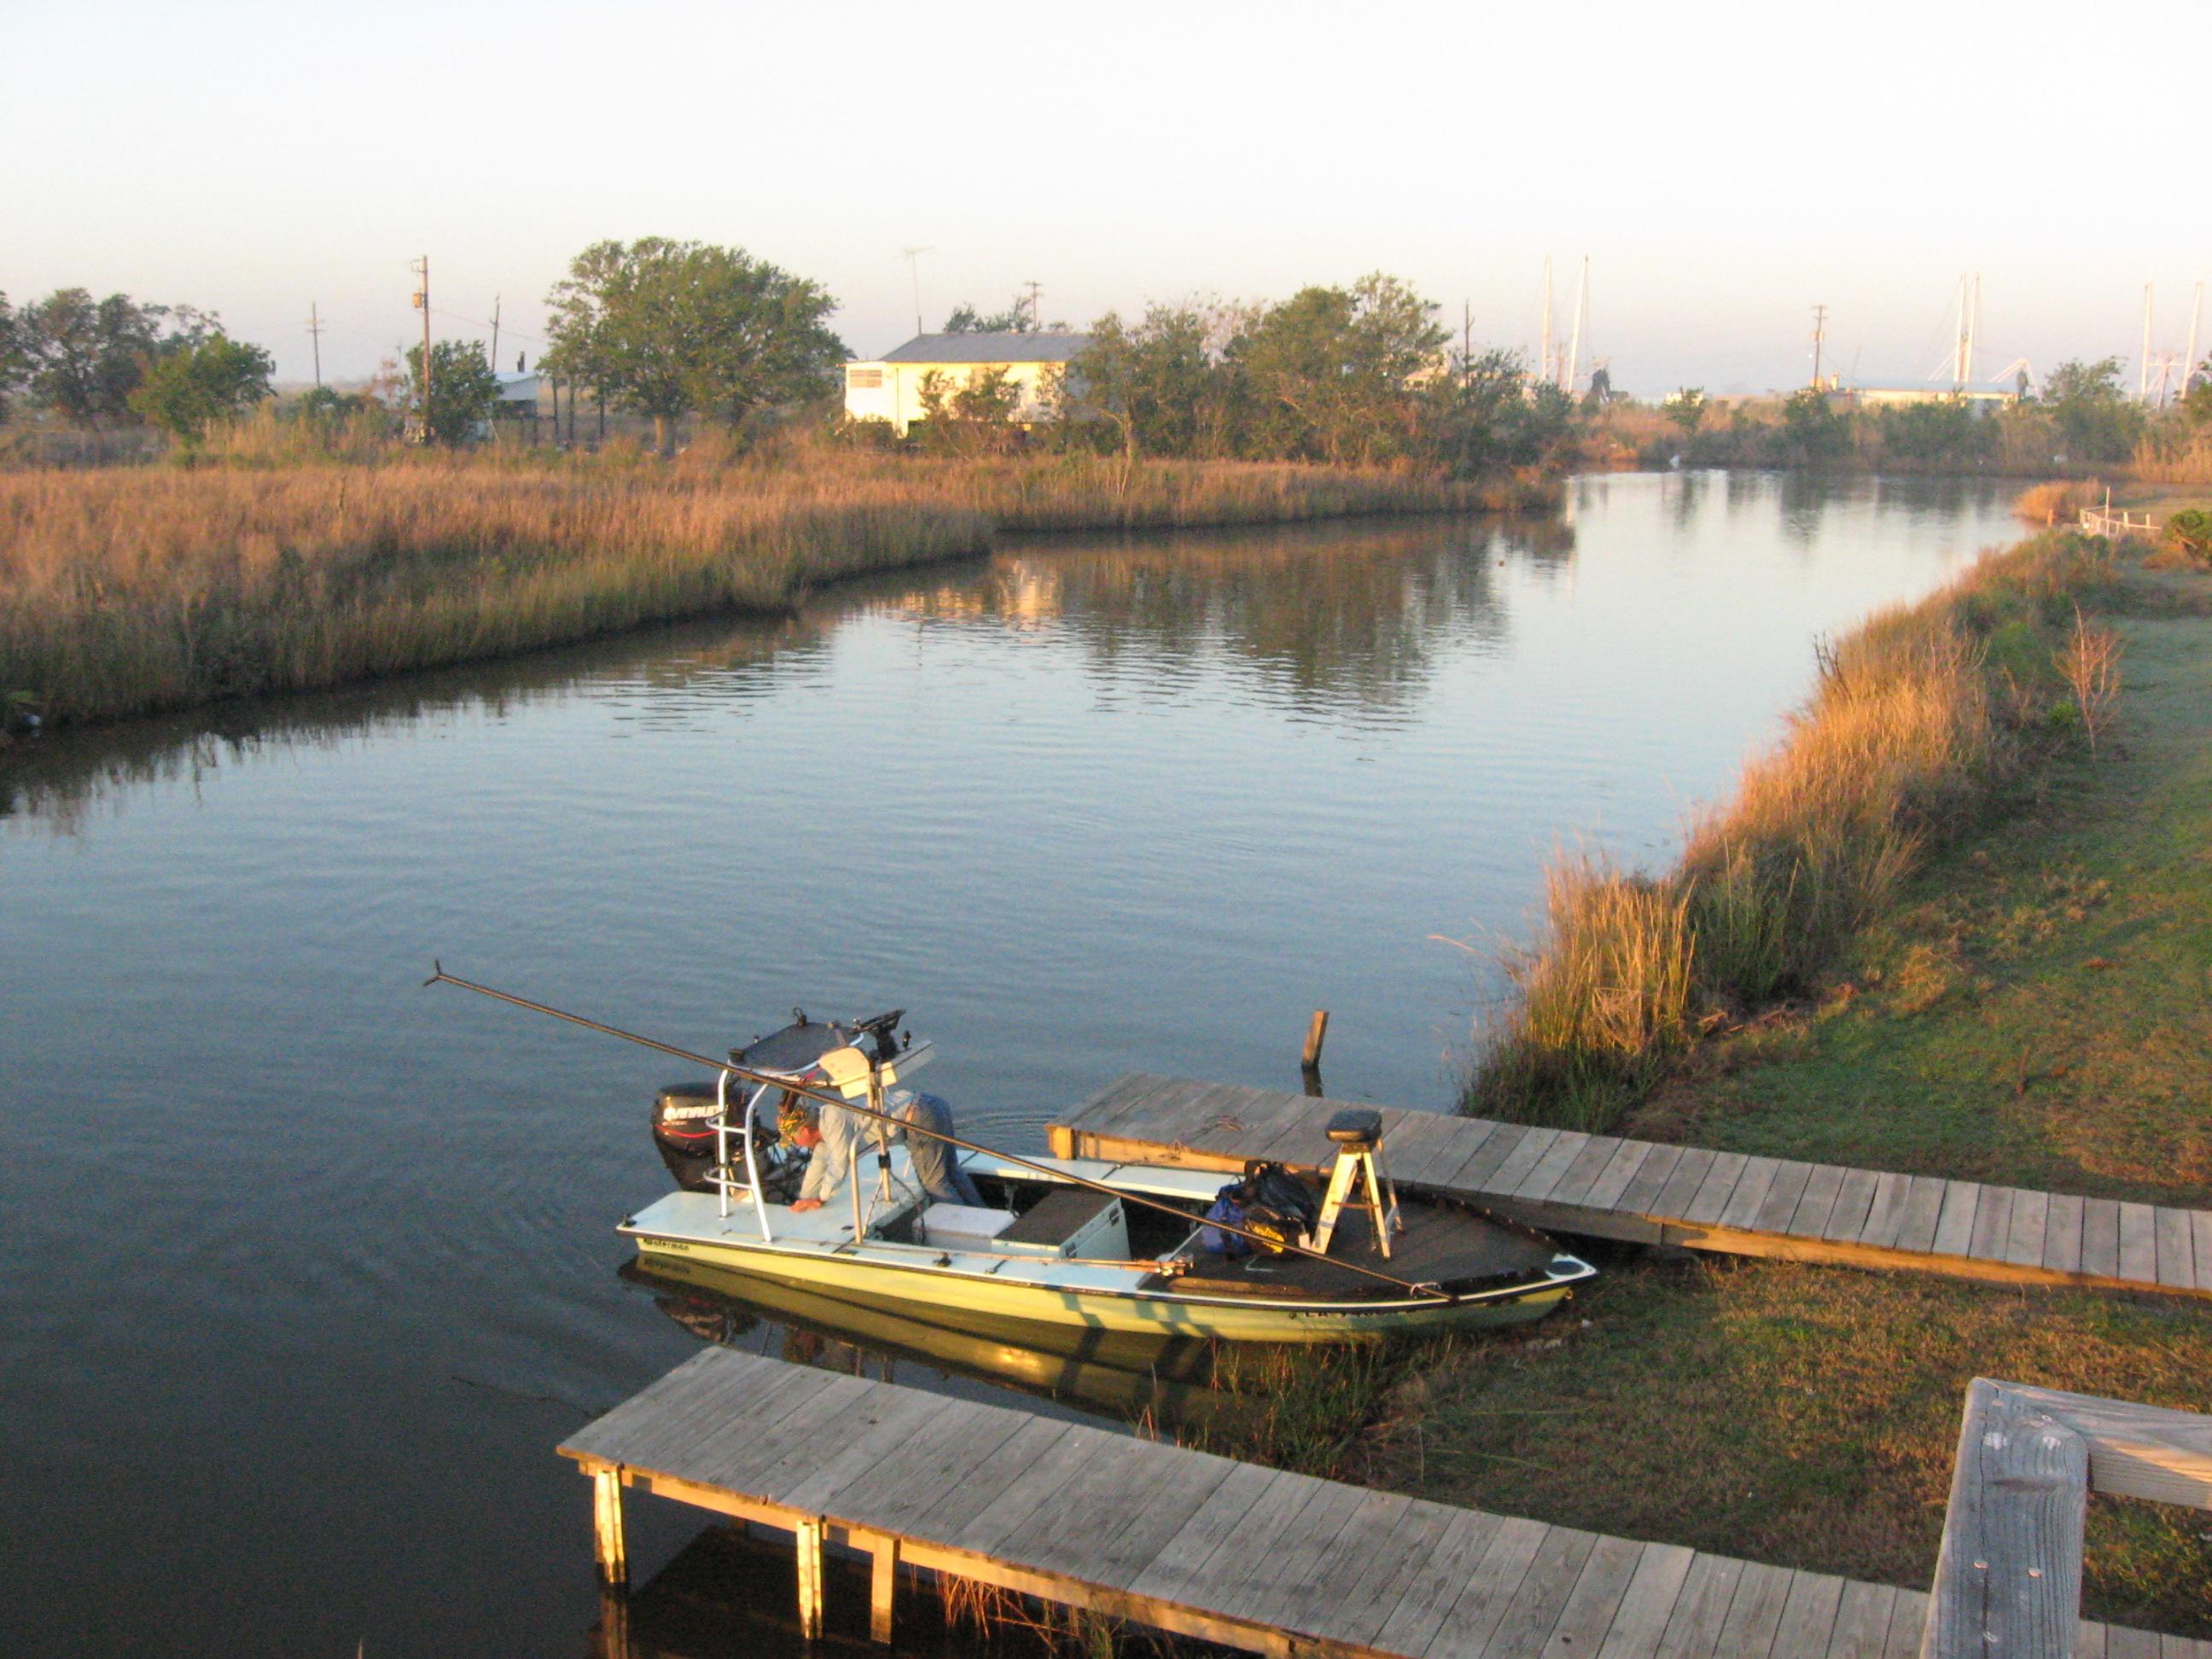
1819,334
1466,344
1550,371
2188,357
421,268
1035,317
2142,371
494,333
913,257
315,333
1959,341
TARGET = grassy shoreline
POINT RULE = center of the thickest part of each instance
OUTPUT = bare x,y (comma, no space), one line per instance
130,593
1926,720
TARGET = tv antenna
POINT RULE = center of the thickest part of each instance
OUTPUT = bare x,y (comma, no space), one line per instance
913,257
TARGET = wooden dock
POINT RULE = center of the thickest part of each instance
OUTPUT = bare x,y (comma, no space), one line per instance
1256,1559
1650,1192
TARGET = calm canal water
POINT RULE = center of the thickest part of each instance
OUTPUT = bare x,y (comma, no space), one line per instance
309,1267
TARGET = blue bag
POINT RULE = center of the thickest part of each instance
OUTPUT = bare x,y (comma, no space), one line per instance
1228,1208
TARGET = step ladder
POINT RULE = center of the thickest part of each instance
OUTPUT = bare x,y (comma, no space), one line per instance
1356,1133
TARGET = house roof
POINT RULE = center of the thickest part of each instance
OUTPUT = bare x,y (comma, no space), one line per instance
1008,347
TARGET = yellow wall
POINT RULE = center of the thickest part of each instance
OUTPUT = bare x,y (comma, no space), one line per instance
897,395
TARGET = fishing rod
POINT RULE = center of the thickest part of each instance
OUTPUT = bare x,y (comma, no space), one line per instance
781,1080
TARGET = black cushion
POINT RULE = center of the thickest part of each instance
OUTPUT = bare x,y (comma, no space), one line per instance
1359,1126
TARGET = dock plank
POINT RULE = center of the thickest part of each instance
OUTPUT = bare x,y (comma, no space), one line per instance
2175,1250
1524,1620
1583,1175
1922,1213
1863,1613
1886,1212
1552,1169
1955,1229
2101,1239
1594,1603
1649,1180
1407,1617
1854,1204
1606,1193
1647,1607
2031,1218
1712,1197
1464,1620
2061,1233
2139,1242
1693,1628
1821,1188
1783,1193
1992,1224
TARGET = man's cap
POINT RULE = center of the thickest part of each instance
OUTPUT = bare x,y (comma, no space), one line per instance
794,1115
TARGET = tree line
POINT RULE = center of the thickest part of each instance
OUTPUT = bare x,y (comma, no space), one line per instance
1360,374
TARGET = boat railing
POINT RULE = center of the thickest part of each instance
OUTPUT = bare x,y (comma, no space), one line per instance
722,1177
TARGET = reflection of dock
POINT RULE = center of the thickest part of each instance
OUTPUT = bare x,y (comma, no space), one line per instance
1648,1192
1251,1558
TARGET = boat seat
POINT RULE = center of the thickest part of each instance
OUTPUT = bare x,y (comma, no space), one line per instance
1356,1126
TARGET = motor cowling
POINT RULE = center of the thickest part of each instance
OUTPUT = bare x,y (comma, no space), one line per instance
684,1132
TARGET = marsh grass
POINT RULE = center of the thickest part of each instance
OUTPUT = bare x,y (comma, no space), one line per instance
268,569
1921,721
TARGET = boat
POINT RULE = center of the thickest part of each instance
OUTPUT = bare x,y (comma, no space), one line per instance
1123,1248
1132,1247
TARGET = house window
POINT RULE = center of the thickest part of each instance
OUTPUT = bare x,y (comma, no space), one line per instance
864,380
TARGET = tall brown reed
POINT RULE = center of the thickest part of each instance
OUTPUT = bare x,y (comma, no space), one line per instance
281,561
1921,717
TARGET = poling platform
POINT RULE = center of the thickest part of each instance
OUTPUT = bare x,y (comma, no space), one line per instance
1650,1192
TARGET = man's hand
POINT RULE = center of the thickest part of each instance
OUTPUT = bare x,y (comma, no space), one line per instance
805,1204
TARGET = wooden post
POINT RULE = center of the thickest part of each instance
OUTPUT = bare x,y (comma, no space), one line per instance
883,1585
607,1528
614,1626
809,1579
1316,1034
2009,1575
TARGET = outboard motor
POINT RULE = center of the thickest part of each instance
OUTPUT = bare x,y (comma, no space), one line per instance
684,1133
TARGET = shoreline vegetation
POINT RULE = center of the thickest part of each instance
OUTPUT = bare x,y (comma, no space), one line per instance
126,592
1924,719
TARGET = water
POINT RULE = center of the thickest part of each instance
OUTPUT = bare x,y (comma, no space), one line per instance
310,1268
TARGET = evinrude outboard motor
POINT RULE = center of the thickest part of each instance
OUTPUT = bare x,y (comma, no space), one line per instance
684,1131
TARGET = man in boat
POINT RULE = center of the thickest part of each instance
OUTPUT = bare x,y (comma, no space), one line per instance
835,1137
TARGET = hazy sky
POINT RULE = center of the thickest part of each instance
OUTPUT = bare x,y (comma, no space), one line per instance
1725,166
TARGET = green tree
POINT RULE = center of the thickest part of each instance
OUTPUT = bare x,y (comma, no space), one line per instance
1486,416
12,363
1944,432
462,390
86,356
669,328
2197,405
971,414
1686,409
2095,420
1333,371
1813,430
1149,382
211,379
1016,318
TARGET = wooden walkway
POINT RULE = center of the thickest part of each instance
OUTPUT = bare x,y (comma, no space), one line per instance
1567,1182
1252,1558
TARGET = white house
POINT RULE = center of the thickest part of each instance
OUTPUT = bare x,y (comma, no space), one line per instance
890,388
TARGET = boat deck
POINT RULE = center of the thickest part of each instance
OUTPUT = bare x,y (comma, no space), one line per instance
1441,1244
1257,1558
1606,1187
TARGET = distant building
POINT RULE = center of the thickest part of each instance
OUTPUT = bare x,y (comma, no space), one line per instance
1983,398
518,396
890,388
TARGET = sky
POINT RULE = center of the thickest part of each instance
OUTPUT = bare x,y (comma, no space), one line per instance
1723,167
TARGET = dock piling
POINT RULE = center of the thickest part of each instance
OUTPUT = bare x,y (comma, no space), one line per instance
809,1532
607,1528
1316,1034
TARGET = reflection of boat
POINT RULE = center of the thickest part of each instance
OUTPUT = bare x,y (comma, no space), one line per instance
1122,1374
1126,1248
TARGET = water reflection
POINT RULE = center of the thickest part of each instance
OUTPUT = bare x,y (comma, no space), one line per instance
1095,1375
